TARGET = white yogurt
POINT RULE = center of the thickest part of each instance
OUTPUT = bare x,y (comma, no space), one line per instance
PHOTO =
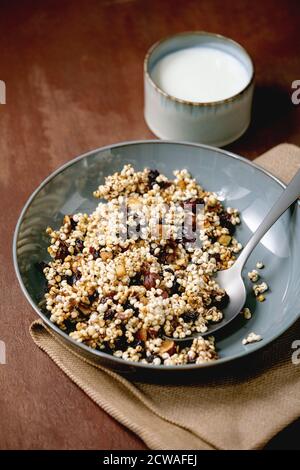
200,74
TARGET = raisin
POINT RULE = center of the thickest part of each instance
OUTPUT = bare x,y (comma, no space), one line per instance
136,280
164,184
225,221
73,223
176,287
62,251
93,296
121,343
107,297
152,175
109,314
189,317
136,342
78,246
150,280
150,358
94,252
128,305
165,294
220,304
153,333
165,257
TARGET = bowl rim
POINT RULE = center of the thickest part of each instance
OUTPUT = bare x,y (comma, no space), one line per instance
97,353
154,46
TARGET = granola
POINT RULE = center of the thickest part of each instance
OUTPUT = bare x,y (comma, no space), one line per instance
123,285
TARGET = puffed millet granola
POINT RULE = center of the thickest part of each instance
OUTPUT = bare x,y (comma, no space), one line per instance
246,312
260,265
122,286
253,275
260,288
252,338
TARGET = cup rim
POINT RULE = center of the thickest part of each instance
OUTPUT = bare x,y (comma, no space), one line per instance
195,103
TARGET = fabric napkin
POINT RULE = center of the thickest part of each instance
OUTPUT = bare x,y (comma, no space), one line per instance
238,406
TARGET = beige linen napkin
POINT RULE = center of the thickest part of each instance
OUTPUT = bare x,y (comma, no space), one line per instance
238,406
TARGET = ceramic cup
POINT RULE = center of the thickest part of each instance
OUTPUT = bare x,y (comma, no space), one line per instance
215,123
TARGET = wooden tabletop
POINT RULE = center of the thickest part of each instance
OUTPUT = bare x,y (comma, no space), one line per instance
73,74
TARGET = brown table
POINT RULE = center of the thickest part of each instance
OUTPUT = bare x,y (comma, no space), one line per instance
73,72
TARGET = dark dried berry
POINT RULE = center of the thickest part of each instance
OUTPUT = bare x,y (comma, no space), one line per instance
217,257
153,333
220,304
189,317
128,305
150,280
94,252
78,246
136,342
121,343
176,288
69,325
62,251
150,358
167,255
72,279
94,296
152,175
165,294
73,223
136,280
169,270
107,297
225,221
164,184
109,314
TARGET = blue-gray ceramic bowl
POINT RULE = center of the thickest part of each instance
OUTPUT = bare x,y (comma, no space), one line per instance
242,184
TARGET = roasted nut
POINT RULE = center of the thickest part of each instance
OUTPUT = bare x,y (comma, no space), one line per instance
224,240
120,270
106,255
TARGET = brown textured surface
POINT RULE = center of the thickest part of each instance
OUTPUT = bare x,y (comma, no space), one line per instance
73,72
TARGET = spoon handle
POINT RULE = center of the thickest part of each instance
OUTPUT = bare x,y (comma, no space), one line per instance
288,196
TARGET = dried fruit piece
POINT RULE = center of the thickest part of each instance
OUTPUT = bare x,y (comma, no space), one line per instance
152,175
94,252
225,221
150,280
109,314
167,346
62,251
190,317
78,245
141,334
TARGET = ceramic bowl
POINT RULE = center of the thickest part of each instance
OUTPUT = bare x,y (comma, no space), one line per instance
239,182
215,123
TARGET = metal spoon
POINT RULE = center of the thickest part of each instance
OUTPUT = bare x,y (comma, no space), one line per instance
231,279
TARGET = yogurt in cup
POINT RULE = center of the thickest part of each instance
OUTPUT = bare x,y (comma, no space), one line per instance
198,87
